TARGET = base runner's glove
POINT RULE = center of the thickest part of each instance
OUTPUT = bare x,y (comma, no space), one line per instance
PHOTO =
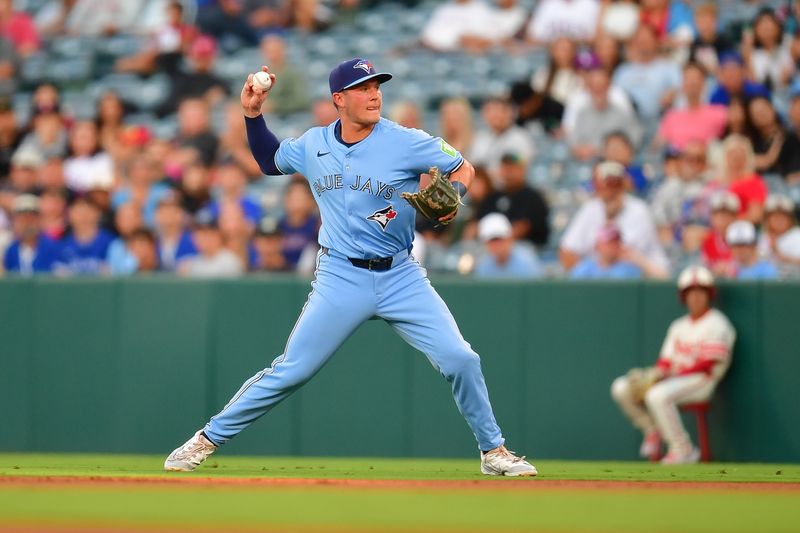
439,199
641,379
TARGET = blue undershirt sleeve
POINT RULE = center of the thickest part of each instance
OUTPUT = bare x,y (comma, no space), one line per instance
264,145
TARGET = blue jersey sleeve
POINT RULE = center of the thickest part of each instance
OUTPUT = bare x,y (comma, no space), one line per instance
291,155
426,151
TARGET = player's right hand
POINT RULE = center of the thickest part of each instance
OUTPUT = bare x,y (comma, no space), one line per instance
252,97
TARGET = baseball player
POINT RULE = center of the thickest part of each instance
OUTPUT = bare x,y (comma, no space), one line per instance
360,168
694,357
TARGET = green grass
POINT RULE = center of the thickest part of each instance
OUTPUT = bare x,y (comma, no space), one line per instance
317,508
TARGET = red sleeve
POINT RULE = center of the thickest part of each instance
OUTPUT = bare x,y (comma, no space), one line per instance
664,365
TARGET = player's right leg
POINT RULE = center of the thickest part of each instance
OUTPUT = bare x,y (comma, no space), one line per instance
639,417
663,399
337,305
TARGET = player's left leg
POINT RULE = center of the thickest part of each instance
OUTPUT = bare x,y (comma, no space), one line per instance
418,314
662,401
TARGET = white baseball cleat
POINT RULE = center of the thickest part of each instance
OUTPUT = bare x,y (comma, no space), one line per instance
501,462
681,458
189,456
651,446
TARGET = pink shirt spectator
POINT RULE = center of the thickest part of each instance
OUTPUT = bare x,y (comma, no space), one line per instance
681,126
20,30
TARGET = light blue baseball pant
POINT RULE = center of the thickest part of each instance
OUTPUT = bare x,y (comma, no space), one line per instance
342,298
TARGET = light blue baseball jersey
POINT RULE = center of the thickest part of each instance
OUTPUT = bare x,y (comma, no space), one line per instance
358,187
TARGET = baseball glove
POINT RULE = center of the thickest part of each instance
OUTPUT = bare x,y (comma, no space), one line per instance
439,199
641,379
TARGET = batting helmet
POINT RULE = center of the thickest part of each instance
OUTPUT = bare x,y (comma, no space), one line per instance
696,276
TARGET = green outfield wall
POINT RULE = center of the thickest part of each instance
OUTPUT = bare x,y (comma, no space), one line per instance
137,365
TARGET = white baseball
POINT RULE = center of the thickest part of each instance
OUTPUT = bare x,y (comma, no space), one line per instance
262,80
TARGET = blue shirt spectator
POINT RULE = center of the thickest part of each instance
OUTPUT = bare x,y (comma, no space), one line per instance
742,238
85,249
732,82
31,252
170,253
251,209
590,268
762,269
505,258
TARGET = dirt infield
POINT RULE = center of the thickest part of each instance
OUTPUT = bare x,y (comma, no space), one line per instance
125,482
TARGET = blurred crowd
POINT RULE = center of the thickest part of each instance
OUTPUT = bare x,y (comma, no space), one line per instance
686,124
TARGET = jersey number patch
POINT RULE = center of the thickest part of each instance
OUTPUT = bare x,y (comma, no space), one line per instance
383,216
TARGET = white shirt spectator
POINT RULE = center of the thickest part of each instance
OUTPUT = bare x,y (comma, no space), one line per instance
770,67
223,264
634,222
581,99
489,147
506,23
576,19
81,173
565,83
788,245
94,17
451,21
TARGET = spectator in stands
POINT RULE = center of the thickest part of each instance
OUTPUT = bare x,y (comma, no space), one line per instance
694,357
500,137
695,120
678,190
612,203
48,136
173,239
140,185
609,260
53,210
454,23
233,141
31,252
291,94
164,51
618,147
198,83
300,223
766,53
738,119
323,112
142,246
26,163
214,259
226,21
407,114
715,252
51,174
741,237
599,118
523,205
109,120
574,19
651,81
18,28
672,21
607,51
51,18
768,134
559,78
739,176
533,106
8,68
504,257
732,81
618,19
455,123
85,249
10,136
194,130
789,159
127,219
780,240
267,16
101,17
268,244
86,161
709,45
230,186
236,230
195,187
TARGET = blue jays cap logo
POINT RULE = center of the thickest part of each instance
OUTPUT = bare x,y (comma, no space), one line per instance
352,72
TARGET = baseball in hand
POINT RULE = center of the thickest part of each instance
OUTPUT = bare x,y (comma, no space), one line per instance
262,80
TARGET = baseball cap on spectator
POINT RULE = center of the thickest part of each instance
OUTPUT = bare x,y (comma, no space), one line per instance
25,203
609,233
267,227
511,157
611,170
779,202
725,201
203,46
494,226
741,233
204,219
352,72
27,157
170,197
587,60
731,57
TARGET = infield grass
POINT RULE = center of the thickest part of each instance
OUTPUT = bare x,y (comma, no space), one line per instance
479,503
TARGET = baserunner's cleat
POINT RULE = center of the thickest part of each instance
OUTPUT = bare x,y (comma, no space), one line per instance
501,462
189,456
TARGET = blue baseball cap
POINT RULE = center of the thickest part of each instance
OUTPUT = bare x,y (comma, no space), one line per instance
352,72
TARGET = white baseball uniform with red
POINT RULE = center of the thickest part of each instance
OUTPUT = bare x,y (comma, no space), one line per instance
695,356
